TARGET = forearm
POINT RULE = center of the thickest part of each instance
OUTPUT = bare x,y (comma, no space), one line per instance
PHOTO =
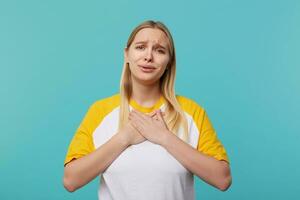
212,171
81,171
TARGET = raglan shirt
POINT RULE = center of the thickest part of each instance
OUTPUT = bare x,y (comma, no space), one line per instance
144,171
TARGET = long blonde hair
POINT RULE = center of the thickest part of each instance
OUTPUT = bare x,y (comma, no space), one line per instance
174,115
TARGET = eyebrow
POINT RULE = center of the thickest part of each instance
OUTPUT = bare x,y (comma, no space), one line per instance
143,42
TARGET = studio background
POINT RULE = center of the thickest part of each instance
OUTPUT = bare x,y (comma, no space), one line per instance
238,59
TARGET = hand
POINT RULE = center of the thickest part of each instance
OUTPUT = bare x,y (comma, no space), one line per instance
131,135
152,127
153,114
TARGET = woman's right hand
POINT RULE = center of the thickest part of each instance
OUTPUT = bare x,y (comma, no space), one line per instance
131,135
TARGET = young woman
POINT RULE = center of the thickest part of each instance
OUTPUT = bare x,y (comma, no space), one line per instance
146,142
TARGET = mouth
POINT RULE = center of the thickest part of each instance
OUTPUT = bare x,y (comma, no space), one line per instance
147,69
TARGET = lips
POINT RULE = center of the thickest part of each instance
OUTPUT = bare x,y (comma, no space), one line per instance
147,68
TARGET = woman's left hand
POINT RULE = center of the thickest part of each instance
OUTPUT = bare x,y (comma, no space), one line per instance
153,128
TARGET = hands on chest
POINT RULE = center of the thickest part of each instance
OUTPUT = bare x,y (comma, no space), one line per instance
141,127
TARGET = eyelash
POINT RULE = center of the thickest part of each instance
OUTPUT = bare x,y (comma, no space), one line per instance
139,47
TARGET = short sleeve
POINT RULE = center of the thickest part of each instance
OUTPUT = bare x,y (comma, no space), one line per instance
82,142
208,142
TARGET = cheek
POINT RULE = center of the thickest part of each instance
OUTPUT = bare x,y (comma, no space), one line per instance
135,56
164,61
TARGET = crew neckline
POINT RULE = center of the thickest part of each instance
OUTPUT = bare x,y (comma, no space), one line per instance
145,109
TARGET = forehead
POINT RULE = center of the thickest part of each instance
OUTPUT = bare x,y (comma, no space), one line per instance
151,35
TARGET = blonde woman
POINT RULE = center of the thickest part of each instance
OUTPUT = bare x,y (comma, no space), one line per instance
146,142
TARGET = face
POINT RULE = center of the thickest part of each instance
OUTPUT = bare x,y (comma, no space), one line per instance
148,55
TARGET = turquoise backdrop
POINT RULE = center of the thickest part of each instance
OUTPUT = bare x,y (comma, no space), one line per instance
239,59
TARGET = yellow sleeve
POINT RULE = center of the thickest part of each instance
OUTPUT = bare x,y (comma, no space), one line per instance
208,142
82,142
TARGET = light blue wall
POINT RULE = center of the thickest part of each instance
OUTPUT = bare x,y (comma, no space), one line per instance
238,59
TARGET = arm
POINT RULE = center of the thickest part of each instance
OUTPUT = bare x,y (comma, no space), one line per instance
209,169
81,171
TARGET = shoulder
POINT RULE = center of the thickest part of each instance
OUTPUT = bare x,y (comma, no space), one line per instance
189,105
107,103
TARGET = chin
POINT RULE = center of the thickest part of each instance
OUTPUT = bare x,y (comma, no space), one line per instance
146,79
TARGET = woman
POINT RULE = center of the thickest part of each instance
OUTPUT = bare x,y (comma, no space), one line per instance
146,142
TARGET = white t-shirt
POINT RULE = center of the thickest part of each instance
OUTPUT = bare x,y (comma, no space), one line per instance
144,171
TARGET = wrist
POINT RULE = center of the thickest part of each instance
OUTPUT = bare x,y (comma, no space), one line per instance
123,139
165,138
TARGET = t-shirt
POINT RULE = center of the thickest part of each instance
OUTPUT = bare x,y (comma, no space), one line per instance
144,171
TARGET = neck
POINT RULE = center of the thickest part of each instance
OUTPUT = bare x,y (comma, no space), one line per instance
145,95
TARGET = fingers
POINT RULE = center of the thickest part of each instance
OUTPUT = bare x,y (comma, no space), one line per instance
135,125
138,115
137,118
159,115
152,114
145,117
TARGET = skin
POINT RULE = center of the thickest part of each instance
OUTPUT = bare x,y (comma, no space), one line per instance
141,127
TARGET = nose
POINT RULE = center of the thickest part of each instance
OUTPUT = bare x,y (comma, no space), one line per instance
148,56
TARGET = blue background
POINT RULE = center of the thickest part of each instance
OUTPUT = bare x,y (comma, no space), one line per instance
238,59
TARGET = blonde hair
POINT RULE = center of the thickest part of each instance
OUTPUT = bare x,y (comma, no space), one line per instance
174,115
